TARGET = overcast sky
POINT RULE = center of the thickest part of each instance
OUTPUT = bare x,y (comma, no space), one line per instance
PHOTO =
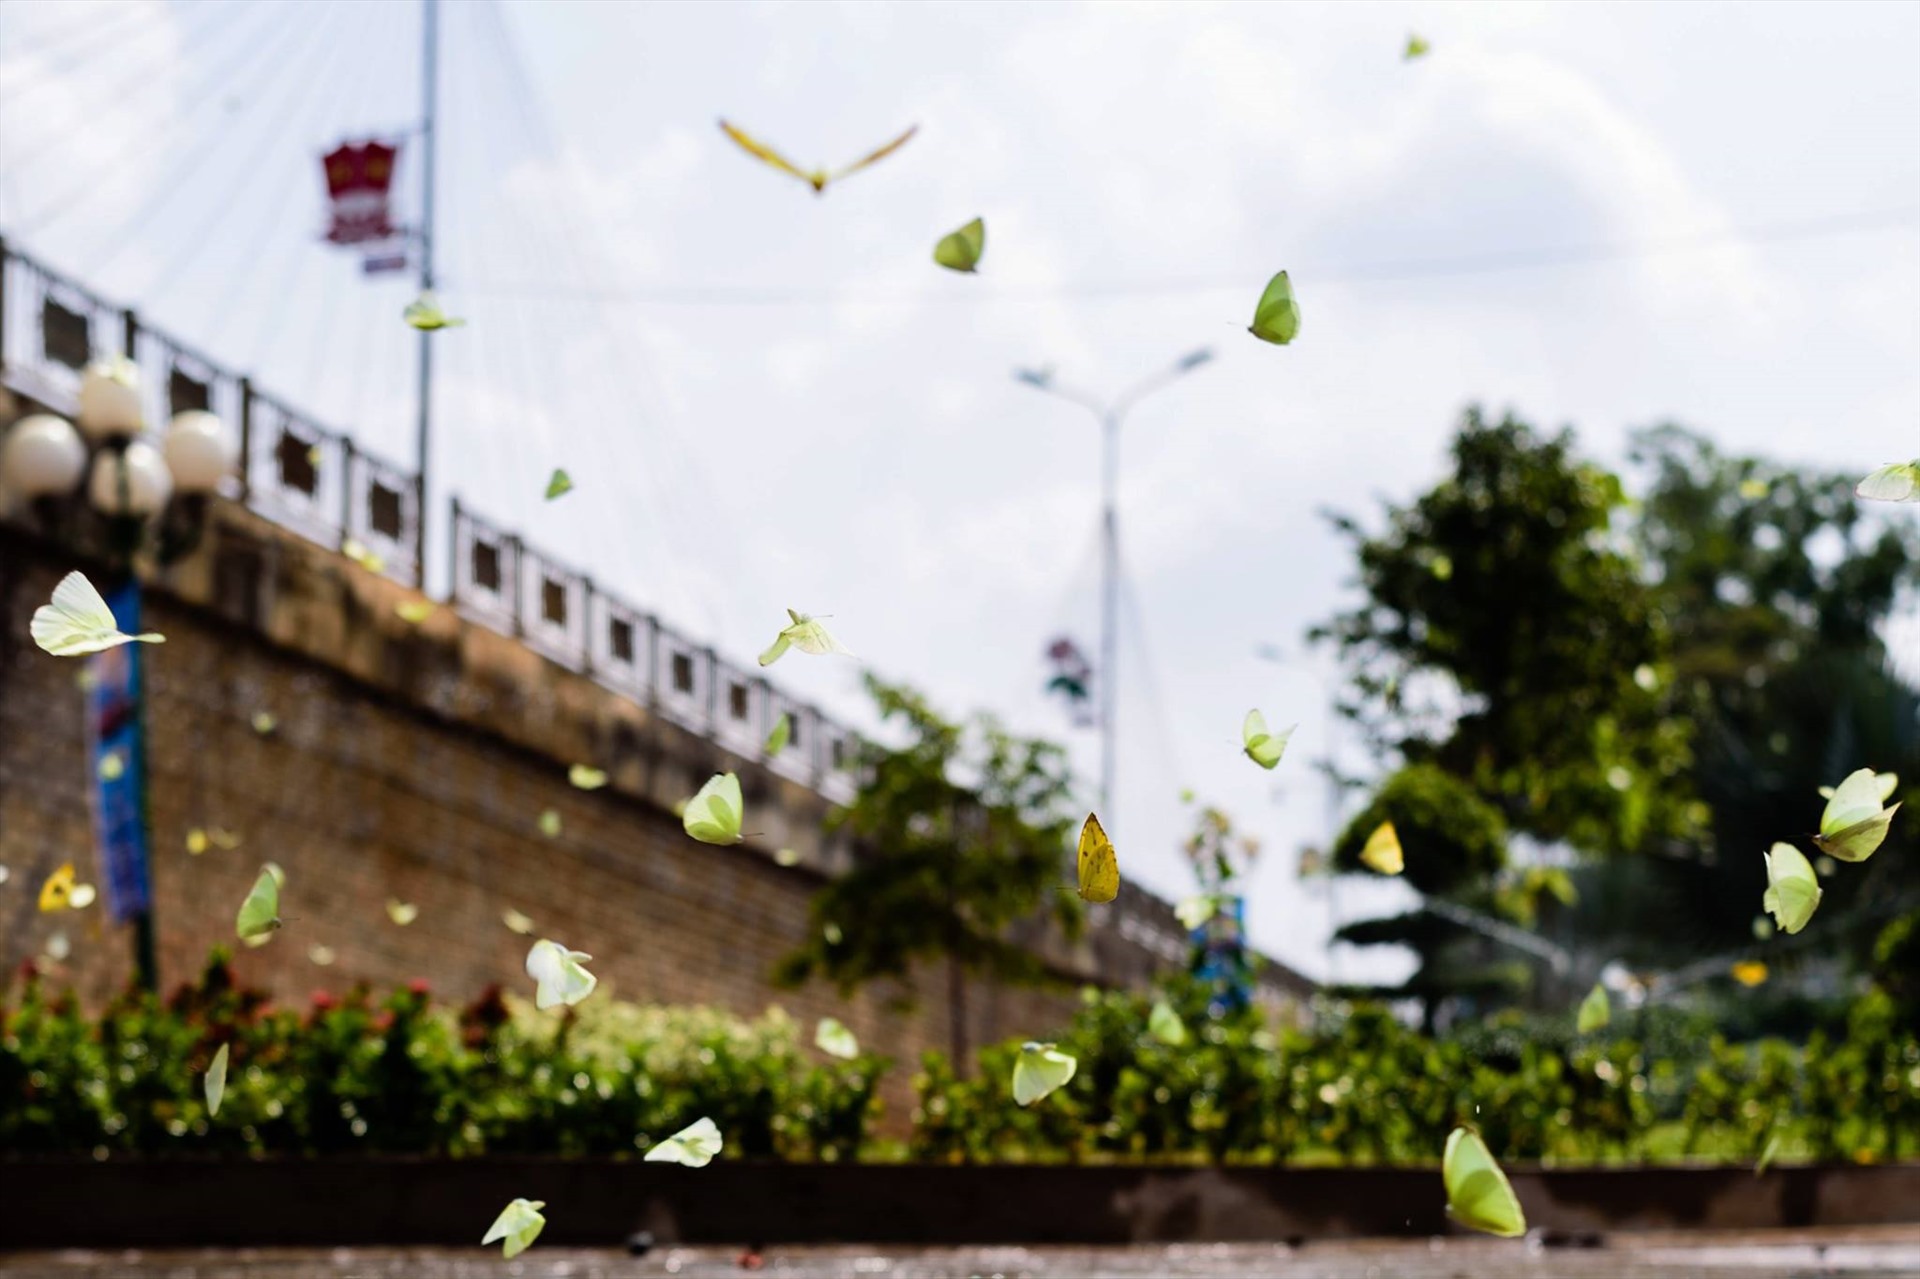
771,399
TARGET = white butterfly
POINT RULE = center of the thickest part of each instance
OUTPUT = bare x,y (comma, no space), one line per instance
78,621
695,1146
557,970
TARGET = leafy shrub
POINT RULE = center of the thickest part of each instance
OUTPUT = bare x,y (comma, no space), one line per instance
1356,1086
398,1075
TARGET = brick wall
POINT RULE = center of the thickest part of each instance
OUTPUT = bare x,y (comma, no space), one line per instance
414,762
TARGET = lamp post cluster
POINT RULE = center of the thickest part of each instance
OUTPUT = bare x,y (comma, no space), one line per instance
100,485
128,476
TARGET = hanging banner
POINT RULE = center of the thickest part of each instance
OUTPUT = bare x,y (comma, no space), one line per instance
384,258
1220,958
360,192
118,763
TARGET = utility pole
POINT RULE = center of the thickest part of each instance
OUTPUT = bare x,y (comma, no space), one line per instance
429,99
1111,416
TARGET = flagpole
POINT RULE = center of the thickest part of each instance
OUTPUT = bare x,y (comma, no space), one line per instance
429,86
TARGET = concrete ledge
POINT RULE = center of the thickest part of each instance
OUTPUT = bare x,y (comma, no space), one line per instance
371,1201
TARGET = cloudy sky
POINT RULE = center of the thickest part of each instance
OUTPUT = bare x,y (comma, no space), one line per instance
1603,216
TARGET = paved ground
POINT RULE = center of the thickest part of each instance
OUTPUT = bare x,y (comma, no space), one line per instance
1878,1252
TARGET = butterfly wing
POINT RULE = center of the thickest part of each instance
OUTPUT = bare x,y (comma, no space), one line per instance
519,1224
1382,851
713,814
1853,800
1165,1025
1793,891
1195,911
782,733
1897,482
1478,1193
809,635
216,1080
833,1038
1038,1071
1857,842
874,157
1262,747
58,890
77,621
767,155
1099,867
694,1146
559,485
1595,1011
960,250
1276,318
260,912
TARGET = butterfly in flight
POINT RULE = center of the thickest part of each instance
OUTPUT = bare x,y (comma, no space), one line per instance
818,179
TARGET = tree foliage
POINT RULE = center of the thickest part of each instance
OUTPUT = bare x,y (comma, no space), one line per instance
1673,677
1508,640
1778,581
962,835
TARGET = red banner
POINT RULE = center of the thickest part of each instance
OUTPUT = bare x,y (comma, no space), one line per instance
359,187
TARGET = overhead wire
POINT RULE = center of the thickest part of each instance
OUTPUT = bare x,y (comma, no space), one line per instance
113,167
300,257
381,336
491,351
672,452
1400,271
59,142
1165,733
274,131
89,30
98,49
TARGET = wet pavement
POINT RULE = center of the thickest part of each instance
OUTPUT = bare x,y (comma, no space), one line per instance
1880,1252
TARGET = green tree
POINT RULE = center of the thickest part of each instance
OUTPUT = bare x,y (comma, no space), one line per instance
1777,582
961,835
1511,656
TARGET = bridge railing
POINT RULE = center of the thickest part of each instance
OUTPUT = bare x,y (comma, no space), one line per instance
315,481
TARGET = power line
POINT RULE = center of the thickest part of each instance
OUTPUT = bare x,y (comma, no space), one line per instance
60,141
1374,273
113,166
100,44
273,131
90,29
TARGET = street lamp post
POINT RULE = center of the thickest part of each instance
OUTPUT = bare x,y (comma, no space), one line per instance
102,487
1111,415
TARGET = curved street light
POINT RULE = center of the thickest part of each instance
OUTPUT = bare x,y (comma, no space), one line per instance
1111,415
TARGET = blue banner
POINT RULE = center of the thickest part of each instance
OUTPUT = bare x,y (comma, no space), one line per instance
1220,955
119,765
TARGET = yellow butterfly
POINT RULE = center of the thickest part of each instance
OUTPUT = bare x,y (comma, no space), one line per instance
818,178
57,892
1099,868
1382,851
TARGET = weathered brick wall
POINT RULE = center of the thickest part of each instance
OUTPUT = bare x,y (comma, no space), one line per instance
414,762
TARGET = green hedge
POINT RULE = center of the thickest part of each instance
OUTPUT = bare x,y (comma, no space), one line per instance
401,1075
1358,1087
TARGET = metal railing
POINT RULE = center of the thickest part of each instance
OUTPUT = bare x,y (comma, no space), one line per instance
316,482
